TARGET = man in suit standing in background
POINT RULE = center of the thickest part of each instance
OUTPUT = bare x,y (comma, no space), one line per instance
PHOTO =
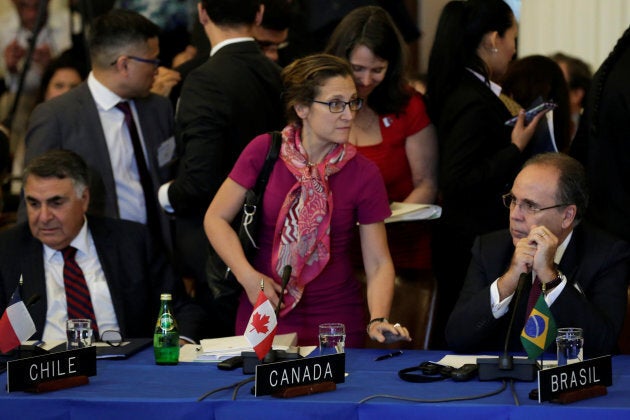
122,131
224,104
117,261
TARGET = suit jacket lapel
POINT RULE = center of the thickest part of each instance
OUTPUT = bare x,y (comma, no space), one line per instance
569,264
110,261
107,203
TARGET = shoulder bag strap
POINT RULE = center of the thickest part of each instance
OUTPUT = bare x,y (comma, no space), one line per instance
270,160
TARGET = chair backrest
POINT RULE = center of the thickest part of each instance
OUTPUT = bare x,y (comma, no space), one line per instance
624,337
413,306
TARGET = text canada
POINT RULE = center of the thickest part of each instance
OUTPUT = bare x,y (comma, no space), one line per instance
300,375
574,379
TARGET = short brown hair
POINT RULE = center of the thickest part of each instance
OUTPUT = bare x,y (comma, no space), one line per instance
303,78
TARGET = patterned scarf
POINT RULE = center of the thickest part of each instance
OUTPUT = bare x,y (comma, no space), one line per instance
302,234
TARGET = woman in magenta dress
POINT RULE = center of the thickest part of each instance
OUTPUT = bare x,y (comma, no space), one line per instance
319,189
392,128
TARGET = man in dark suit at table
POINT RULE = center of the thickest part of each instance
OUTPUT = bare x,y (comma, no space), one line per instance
127,161
224,104
583,272
123,269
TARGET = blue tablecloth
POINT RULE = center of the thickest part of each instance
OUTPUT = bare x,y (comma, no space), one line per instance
137,388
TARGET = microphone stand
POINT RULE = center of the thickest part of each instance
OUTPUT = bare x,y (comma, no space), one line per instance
272,356
505,366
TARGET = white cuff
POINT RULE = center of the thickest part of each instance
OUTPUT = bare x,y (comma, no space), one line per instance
499,308
163,198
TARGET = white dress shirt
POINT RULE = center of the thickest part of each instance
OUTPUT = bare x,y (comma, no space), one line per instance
131,203
57,310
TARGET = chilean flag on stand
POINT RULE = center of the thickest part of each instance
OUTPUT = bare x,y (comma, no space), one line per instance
261,328
16,324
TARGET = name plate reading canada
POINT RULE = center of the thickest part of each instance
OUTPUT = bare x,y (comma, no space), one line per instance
553,381
24,374
273,377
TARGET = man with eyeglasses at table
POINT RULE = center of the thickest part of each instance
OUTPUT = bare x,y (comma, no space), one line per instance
127,164
121,266
583,272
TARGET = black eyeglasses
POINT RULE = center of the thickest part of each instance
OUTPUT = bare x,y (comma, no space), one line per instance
336,106
112,337
510,202
156,63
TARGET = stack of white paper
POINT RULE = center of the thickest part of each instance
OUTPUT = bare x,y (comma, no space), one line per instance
218,349
410,211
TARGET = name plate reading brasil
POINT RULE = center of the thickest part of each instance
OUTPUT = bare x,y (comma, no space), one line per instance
24,374
553,381
273,377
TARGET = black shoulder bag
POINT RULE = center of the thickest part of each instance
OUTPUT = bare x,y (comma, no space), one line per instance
222,283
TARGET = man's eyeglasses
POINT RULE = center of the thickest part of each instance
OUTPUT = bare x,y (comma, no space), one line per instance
112,337
527,206
336,106
156,63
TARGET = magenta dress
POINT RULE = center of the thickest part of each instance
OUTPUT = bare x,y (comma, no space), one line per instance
335,295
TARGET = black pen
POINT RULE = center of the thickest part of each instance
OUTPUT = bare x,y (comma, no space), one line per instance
388,355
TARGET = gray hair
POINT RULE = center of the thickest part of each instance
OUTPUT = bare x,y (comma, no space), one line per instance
60,164
572,185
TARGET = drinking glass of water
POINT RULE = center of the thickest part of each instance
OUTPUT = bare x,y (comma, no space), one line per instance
570,343
79,333
332,338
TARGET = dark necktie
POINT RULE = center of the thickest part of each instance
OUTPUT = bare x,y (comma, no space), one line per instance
534,294
150,200
77,293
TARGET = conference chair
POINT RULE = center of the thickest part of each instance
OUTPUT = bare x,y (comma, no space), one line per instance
413,306
624,337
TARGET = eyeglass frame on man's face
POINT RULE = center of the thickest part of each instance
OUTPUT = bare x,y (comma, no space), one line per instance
527,206
357,103
156,62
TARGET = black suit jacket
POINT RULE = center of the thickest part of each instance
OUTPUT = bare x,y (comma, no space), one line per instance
478,162
597,267
135,271
71,121
226,102
605,152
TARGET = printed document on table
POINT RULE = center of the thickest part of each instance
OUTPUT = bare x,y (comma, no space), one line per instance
411,211
218,349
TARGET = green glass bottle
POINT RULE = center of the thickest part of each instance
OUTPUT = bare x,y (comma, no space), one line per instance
166,336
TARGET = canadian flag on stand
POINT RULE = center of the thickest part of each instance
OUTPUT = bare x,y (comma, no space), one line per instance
261,328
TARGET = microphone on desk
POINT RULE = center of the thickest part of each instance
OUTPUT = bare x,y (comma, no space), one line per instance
506,360
504,366
286,276
32,300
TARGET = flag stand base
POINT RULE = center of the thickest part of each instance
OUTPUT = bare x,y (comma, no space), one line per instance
250,359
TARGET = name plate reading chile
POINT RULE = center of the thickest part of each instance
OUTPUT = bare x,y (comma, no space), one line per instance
554,381
274,377
25,374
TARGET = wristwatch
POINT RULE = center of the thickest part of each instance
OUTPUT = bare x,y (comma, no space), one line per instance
546,287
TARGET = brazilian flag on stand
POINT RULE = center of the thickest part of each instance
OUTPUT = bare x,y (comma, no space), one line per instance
539,330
